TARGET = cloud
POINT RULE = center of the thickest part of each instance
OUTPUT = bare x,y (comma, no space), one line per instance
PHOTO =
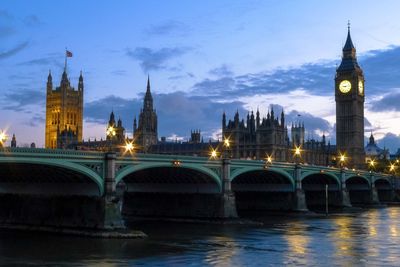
224,70
13,51
119,72
153,60
391,141
32,20
6,31
170,27
19,100
45,61
5,15
36,120
389,102
179,109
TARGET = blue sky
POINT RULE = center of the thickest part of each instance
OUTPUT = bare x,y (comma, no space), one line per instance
203,57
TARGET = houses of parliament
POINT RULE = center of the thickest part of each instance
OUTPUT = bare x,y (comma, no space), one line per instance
253,137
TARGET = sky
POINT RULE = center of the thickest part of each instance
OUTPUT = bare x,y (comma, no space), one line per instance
203,58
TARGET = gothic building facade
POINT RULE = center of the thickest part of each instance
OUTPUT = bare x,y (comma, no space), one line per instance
258,138
349,97
64,112
145,133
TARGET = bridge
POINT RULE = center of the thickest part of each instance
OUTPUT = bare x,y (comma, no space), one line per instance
92,189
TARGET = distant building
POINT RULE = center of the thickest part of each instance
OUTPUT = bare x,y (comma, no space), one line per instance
374,152
64,112
145,133
13,141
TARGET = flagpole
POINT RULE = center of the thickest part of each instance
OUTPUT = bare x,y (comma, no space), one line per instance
65,66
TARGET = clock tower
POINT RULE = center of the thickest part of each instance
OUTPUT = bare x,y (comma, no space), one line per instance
349,97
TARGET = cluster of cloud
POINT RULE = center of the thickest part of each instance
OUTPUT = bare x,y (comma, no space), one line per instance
156,59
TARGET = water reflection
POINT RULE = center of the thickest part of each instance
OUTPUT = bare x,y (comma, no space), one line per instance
297,242
371,238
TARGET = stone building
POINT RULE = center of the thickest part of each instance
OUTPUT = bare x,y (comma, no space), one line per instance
145,133
349,97
64,112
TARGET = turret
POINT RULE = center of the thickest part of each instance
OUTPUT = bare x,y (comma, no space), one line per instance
13,141
111,122
258,118
119,124
49,82
134,125
282,119
80,83
148,99
223,120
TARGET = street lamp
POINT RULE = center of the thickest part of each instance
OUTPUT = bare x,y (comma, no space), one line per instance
297,154
372,164
268,161
225,147
342,159
129,147
213,153
3,138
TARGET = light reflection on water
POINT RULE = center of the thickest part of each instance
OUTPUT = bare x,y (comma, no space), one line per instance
370,237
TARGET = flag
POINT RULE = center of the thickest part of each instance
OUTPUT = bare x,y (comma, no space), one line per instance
68,53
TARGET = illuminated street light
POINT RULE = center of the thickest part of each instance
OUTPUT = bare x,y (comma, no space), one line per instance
297,151
110,131
372,163
176,163
3,138
342,159
392,167
268,159
213,153
226,142
129,147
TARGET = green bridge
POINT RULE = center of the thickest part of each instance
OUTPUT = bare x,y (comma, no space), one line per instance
96,190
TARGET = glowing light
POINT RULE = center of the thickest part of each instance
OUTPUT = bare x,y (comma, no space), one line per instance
342,158
3,137
268,159
372,163
110,131
226,142
129,147
213,153
297,151
392,167
176,163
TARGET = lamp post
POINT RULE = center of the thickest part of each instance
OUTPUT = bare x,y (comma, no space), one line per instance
3,138
110,132
268,161
297,155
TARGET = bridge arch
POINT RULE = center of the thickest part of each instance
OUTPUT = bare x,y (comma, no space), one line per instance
314,186
164,190
384,189
78,172
205,172
280,172
260,189
359,188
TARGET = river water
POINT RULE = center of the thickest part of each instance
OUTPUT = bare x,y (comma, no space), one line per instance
370,237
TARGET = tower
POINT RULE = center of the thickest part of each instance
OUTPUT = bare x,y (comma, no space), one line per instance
64,112
349,97
145,134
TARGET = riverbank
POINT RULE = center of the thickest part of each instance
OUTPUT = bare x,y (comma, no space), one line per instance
95,233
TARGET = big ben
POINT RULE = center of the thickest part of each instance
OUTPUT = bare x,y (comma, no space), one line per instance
349,97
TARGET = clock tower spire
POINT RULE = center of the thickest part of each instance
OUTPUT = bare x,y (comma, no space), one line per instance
349,97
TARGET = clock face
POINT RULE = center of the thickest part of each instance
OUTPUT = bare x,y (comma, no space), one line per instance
360,87
345,86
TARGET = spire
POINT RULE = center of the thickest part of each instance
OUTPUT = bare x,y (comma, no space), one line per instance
148,99
349,44
148,83
49,82
80,83
111,122
371,139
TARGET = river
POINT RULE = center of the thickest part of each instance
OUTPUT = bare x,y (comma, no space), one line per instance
370,237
